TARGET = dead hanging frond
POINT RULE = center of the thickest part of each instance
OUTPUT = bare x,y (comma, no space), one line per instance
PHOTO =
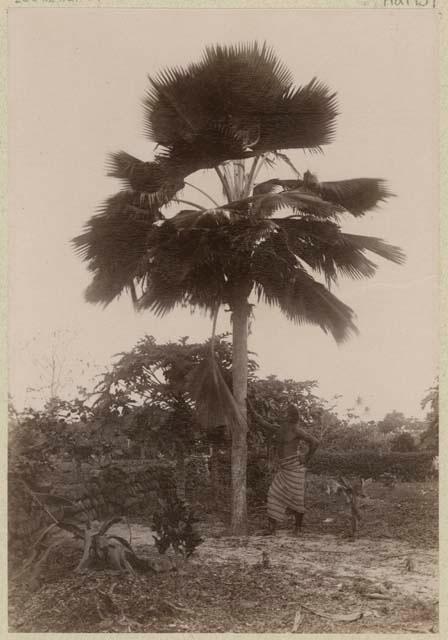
215,404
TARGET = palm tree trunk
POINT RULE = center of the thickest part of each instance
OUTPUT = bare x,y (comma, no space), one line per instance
239,433
214,472
181,473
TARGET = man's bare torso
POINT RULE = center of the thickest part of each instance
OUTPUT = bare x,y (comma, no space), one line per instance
289,439
289,435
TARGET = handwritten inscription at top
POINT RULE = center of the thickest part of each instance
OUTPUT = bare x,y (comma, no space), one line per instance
44,1
409,3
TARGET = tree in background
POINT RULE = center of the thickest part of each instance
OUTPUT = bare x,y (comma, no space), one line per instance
393,421
67,429
56,365
150,386
270,396
430,438
232,112
360,410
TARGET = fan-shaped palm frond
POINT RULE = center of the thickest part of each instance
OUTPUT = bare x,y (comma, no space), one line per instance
327,250
302,118
303,300
115,245
378,246
193,257
184,270
264,205
158,178
267,199
297,201
183,102
189,219
357,195
236,102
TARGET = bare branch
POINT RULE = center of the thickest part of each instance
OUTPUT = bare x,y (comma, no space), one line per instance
202,191
225,184
107,525
192,204
251,177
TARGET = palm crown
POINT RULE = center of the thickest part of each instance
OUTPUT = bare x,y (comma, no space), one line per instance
237,103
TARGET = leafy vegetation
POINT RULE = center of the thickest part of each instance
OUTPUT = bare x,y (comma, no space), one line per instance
174,523
79,460
403,442
407,466
430,439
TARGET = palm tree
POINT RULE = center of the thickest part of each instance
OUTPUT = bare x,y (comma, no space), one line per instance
232,112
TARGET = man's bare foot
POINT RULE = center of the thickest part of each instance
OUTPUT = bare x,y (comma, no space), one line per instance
271,527
349,536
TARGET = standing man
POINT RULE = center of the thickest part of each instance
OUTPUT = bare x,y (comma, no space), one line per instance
287,490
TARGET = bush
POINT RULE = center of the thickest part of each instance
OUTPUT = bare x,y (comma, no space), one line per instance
406,466
355,437
403,442
198,475
174,524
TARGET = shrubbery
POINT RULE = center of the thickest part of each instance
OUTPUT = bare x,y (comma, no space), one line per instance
403,442
412,466
175,524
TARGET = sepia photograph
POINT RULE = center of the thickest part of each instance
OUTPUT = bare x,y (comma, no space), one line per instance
223,320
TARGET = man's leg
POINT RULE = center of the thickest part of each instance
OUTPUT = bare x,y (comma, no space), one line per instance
272,526
298,521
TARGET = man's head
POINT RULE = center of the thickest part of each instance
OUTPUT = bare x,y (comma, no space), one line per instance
292,413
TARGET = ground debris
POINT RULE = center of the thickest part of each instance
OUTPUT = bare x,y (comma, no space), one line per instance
225,588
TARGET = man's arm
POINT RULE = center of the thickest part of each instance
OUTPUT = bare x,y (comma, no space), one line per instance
272,427
312,442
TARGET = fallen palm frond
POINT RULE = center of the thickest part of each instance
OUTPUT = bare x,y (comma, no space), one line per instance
98,545
336,617
297,621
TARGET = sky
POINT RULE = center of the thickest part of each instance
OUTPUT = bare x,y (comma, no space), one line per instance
76,82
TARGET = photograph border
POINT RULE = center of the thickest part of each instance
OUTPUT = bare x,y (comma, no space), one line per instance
395,7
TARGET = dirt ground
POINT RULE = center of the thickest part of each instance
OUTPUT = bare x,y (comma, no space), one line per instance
387,579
